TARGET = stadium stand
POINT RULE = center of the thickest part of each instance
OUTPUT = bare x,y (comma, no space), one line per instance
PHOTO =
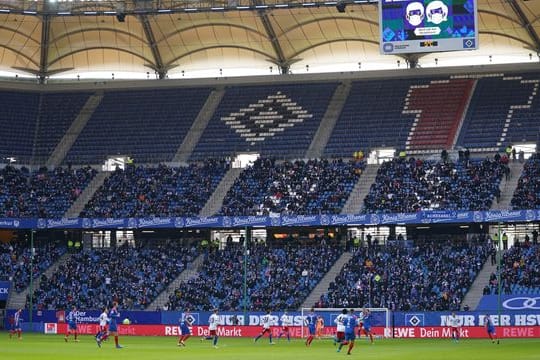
433,276
298,187
503,109
410,185
527,193
94,278
147,125
18,122
278,278
57,113
15,260
439,108
520,271
140,191
274,120
42,193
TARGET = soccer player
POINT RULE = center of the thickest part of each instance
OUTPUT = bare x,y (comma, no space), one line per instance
213,322
453,321
351,322
72,324
285,320
11,326
340,327
319,327
266,321
490,328
114,315
103,333
185,323
366,324
17,323
311,320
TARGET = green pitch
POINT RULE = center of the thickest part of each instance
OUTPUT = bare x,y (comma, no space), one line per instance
53,347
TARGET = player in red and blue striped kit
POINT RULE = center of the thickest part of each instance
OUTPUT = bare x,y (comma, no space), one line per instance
185,324
311,321
16,324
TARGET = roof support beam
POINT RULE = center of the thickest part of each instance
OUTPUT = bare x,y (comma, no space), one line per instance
280,60
526,23
160,69
44,51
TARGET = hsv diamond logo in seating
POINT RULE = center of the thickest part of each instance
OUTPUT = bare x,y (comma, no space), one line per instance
267,117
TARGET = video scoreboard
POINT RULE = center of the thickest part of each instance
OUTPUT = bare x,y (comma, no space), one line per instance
413,26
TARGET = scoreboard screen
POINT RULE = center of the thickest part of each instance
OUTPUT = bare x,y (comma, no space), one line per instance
412,26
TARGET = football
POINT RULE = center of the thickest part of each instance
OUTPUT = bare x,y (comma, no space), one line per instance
126,322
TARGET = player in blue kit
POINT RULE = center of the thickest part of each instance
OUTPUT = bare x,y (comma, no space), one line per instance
72,324
114,316
311,322
490,328
185,323
366,324
350,322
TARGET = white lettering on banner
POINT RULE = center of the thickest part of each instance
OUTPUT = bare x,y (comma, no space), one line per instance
255,320
221,331
518,332
527,320
172,330
3,290
429,333
463,320
404,332
229,332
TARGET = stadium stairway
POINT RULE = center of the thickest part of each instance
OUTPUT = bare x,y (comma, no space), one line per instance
475,293
355,202
329,120
197,128
322,286
190,272
62,148
18,300
508,187
86,195
214,203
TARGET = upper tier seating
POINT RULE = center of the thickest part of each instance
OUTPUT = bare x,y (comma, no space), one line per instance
273,120
147,125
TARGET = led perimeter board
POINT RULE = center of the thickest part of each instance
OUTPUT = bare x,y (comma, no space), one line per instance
414,26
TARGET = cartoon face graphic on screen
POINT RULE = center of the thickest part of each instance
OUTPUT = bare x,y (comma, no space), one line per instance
436,12
415,13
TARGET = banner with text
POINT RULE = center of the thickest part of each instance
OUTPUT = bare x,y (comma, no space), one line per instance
421,217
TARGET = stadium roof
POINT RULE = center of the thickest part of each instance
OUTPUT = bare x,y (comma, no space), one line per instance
184,38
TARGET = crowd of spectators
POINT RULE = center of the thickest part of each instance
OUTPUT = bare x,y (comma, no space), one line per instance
410,185
141,191
520,271
292,188
277,278
432,276
16,257
527,193
133,277
43,193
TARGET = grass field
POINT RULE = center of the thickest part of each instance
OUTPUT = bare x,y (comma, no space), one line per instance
44,347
